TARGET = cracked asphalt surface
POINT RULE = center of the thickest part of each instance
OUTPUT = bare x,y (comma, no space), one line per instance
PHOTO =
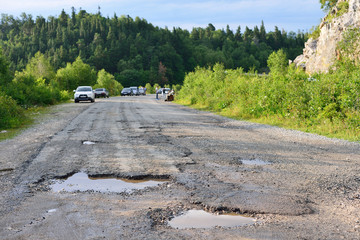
308,188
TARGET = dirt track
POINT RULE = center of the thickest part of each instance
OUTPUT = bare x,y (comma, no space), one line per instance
304,187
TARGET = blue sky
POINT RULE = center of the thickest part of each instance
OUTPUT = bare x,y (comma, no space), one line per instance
290,15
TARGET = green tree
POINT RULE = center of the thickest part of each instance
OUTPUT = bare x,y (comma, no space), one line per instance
149,88
107,80
76,74
278,62
328,4
5,76
40,67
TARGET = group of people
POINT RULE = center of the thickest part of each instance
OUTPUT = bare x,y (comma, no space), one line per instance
169,95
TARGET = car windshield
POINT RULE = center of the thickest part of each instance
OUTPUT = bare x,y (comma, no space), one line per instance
84,89
99,89
126,89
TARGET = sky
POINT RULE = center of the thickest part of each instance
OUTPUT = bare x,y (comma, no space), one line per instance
290,15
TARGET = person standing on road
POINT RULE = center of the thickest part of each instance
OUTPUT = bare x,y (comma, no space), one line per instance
157,93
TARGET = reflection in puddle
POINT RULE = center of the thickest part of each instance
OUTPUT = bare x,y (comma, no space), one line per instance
255,162
88,143
81,182
202,219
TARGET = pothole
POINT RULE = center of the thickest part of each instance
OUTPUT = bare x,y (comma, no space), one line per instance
256,161
202,219
7,169
82,182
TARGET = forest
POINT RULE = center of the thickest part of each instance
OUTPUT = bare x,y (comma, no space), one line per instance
135,51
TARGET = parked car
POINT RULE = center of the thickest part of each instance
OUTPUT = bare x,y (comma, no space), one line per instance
135,91
101,92
126,92
142,91
84,93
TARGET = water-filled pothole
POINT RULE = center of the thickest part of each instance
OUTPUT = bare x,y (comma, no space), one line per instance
255,162
202,219
88,143
82,182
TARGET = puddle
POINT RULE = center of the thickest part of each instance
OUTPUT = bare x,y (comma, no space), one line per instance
255,162
82,182
202,219
88,143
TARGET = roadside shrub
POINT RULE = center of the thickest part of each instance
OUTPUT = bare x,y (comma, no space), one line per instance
149,88
65,95
28,91
176,87
11,115
329,103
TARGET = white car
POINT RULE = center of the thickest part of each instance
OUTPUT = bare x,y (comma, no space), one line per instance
84,93
135,91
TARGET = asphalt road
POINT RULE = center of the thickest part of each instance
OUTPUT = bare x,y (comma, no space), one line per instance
294,185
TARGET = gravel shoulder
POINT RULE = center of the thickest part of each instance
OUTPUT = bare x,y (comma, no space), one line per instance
296,185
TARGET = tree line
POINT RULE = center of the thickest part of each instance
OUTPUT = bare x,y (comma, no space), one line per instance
135,51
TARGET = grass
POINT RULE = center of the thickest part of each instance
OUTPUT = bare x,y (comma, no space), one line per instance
31,114
325,128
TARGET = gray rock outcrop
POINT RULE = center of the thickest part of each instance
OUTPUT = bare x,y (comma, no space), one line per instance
320,54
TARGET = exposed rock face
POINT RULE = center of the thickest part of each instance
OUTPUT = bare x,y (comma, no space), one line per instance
319,54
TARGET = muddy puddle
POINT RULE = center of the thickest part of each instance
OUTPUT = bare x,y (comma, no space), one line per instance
82,182
202,219
256,162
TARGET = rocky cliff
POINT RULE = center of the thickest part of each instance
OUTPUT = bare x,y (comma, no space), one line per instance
319,54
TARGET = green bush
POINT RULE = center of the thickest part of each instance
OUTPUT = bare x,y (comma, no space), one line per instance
149,88
11,115
107,80
65,95
294,99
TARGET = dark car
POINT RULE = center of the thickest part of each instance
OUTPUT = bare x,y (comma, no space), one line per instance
126,92
101,92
